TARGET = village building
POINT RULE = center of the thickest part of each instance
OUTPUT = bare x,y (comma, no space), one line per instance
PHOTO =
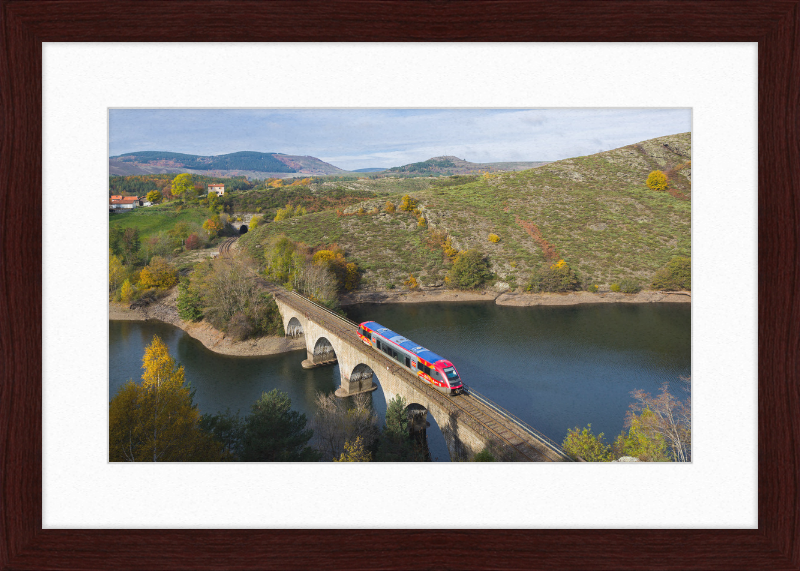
124,202
218,189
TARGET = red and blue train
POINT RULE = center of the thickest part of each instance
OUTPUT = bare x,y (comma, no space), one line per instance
424,363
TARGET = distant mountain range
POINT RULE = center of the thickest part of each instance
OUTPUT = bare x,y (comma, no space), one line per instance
449,165
245,163
257,165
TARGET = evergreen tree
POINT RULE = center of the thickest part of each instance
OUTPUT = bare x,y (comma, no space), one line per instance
275,433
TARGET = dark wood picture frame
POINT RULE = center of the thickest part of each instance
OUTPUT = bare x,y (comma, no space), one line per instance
774,24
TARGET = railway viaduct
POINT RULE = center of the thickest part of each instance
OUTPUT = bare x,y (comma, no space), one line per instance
469,422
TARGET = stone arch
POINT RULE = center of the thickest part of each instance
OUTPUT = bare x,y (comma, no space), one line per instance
294,328
323,351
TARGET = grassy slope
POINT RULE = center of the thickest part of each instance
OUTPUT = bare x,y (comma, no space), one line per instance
155,219
595,210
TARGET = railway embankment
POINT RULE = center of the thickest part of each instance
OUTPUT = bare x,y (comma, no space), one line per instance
166,311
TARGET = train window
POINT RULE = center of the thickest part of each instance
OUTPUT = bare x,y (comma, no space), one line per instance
426,369
408,362
378,344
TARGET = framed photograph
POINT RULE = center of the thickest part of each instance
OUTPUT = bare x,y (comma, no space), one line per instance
50,492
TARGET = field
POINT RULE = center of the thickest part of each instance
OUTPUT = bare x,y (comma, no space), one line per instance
154,219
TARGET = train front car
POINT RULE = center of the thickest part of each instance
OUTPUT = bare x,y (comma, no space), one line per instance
424,363
449,372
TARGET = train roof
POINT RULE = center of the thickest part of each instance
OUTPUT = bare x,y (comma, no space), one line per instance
406,344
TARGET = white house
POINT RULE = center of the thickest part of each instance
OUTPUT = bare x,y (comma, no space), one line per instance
218,189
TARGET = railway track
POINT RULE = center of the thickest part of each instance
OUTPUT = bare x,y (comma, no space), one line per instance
504,430
226,247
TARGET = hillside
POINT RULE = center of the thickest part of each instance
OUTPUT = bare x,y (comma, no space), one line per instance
246,163
448,165
595,212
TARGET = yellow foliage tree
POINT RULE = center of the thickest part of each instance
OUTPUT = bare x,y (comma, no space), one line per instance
116,272
657,180
389,207
421,222
156,421
153,196
411,282
126,293
352,277
354,452
275,183
158,273
408,204
213,226
323,257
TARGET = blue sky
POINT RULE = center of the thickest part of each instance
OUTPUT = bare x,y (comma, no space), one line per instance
362,138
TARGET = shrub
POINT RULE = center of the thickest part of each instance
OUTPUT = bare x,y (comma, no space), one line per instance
213,226
389,207
629,285
676,275
450,251
615,287
470,269
411,282
484,456
408,204
657,180
494,238
583,444
421,222
592,288
558,277
192,241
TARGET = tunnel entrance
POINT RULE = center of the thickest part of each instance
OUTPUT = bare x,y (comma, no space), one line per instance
243,229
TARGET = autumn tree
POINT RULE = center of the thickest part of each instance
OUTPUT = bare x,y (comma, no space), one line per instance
228,288
126,291
581,443
641,441
153,196
158,273
657,180
664,422
116,272
182,186
354,451
213,226
339,421
273,432
156,421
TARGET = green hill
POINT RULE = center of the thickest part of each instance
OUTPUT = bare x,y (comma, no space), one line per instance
594,212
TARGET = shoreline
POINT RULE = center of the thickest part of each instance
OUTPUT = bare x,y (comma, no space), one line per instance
165,311
212,339
514,299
